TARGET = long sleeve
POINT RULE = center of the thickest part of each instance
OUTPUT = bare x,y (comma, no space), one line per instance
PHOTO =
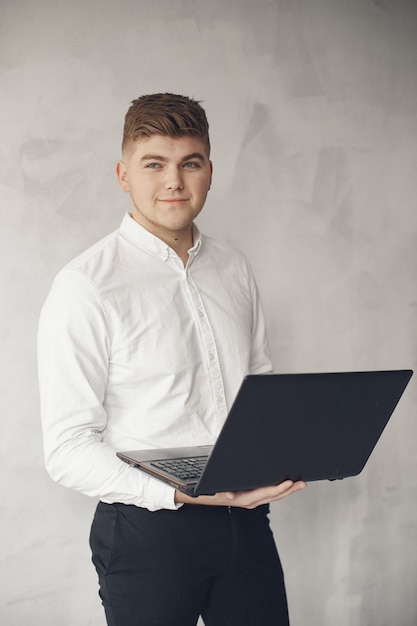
74,344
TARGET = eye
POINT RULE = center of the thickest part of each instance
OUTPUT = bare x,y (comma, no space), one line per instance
192,165
153,166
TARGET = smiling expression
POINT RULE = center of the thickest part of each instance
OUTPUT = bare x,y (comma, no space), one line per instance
168,179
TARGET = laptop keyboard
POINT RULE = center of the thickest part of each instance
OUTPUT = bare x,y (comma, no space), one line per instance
184,469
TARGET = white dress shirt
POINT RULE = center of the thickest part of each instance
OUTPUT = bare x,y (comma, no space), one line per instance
137,351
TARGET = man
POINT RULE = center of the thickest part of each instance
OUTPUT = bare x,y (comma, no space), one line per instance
143,342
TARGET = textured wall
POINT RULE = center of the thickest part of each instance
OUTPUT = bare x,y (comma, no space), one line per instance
313,107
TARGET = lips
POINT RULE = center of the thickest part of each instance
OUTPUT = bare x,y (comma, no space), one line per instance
173,200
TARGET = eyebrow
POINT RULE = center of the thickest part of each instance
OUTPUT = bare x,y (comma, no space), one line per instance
158,157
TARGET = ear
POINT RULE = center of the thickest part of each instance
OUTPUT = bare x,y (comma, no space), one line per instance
211,174
121,173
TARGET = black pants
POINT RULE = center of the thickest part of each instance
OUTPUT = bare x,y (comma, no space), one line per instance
168,567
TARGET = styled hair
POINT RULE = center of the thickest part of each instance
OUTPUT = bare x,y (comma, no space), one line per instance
165,114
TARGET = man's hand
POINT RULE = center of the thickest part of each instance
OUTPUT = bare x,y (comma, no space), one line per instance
245,499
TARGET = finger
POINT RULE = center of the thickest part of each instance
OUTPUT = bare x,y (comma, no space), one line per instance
287,484
298,486
276,490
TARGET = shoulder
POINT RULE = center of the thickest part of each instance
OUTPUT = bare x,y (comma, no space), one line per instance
102,251
77,286
97,269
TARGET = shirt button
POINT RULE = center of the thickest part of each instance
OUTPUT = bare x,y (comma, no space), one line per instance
201,314
220,399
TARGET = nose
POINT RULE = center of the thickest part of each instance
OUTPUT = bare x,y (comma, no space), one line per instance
173,179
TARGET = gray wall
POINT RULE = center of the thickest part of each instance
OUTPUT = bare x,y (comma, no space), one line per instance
313,107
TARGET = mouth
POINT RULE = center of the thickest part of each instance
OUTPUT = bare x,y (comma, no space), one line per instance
173,200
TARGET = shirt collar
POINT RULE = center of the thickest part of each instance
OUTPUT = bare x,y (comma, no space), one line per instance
142,238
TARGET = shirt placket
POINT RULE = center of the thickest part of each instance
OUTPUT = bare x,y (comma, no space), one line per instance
210,349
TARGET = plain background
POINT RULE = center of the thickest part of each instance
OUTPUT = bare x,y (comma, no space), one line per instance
312,106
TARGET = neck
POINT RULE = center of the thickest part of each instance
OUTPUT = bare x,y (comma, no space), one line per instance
179,240
181,244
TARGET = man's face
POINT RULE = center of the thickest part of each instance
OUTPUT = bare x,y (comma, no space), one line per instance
168,179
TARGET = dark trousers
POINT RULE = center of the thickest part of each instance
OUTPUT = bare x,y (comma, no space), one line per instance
168,567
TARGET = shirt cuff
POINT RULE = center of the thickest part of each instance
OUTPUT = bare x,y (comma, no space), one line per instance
158,495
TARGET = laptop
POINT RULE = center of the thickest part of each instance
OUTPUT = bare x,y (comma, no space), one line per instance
320,426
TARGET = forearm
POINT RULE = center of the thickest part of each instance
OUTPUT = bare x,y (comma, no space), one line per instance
91,467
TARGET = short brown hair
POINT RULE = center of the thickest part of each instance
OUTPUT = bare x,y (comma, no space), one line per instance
165,114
